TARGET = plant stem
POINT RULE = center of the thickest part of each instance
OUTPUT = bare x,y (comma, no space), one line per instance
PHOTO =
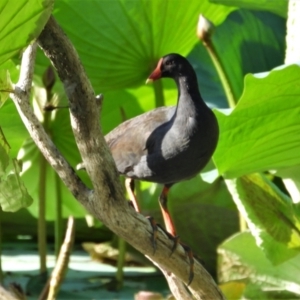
42,236
222,73
119,277
242,223
42,215
229,95
51,288
120,263
205,30
58,216
159,94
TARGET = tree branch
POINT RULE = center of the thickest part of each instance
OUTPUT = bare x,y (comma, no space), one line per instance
106,202
20,96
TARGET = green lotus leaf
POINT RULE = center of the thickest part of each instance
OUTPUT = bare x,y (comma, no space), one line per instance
270,216
278,7
241,260
119,44
21,22
263,131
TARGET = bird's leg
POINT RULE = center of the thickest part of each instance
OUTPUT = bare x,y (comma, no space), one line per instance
163,202
129,185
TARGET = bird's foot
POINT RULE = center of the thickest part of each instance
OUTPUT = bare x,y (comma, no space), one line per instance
175,239
176,242
190,255
154,233
187,250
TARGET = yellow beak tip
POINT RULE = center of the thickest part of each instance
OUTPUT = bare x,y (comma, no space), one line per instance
149,80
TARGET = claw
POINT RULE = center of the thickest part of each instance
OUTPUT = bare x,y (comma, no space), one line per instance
191,258
191,276
187,249
175,240
154,233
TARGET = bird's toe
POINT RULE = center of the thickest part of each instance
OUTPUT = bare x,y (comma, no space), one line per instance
154,233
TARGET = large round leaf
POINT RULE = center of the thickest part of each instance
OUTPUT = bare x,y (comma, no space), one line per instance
263,131
278,7
13,127
10,122
120,42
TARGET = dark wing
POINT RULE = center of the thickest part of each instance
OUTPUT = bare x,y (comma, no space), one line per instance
127,142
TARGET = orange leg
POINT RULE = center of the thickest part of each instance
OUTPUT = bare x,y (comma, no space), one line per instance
163,202
129,185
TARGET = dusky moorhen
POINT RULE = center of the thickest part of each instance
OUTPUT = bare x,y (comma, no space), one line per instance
168,144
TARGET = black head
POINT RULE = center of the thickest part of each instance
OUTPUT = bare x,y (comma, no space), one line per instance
171,65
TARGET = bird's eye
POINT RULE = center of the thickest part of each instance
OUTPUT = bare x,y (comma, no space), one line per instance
170,62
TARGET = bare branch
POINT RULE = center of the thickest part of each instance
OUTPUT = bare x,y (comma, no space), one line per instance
106,202
60,269
20,96
27,68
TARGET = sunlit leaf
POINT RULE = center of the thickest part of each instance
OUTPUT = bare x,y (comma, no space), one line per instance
120,43
13,193
241,260
10,121
21,22
13,127
5,86
233,290
269,214
291,179
278,7
263,131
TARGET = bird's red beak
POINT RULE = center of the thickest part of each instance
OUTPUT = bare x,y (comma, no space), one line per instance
156,74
